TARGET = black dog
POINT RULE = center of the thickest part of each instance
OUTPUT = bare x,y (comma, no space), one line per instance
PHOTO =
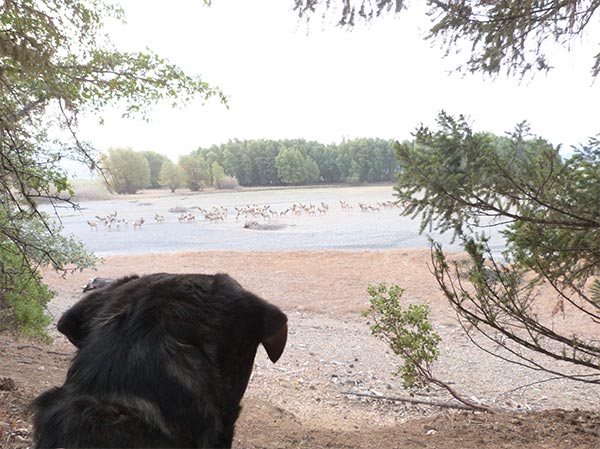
163,361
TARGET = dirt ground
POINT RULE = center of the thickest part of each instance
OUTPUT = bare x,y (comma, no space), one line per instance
333,386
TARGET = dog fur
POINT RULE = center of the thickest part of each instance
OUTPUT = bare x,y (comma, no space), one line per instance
163,361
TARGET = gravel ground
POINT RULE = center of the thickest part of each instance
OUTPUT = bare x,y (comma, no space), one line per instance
329,389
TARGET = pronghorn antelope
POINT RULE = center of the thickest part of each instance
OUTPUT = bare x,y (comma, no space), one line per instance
345,205
159,218
213,217
186,218
369,208
93,225
389,204
137,224
104,220
111,222
251,211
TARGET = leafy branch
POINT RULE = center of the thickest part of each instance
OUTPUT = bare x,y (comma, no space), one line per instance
409,334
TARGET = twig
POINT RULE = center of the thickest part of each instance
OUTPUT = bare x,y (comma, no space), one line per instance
296,371
411,401
64,354
550,379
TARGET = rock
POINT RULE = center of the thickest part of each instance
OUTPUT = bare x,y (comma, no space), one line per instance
7,384
96,283
264,226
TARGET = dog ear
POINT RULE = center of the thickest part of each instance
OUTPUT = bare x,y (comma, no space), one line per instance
272,321
275,332
77,322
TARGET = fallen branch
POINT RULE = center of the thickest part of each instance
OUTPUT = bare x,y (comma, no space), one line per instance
413,401
296,371
63,354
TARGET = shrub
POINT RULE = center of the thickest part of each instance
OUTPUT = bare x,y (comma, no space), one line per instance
409,334
23,297
90,190
407,331
228,183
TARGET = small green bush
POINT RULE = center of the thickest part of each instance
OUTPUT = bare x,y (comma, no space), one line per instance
407,331
23,297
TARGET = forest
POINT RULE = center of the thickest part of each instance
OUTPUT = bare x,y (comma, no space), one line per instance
255,163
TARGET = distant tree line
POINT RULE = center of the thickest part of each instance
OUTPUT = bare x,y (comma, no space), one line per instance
254,163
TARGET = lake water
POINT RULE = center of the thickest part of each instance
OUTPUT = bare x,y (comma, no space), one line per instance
335,230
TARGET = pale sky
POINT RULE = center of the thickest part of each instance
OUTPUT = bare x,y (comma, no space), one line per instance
322,83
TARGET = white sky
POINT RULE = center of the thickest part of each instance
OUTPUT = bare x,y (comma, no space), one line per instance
324,83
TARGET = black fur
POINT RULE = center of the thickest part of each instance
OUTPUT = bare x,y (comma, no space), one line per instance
163,361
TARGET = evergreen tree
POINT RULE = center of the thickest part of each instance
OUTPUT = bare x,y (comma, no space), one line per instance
290,166
461,181
312,174
155,161
513,35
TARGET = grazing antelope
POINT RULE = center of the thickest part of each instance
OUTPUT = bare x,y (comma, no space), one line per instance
138,224
186,218
238,212
213,217
105,221
345,205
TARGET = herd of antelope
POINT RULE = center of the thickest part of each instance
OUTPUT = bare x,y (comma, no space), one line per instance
110,222
247,212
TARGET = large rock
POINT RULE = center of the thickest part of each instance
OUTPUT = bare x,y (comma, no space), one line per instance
264,226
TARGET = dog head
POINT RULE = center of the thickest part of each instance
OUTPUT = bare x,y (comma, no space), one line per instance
205,322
